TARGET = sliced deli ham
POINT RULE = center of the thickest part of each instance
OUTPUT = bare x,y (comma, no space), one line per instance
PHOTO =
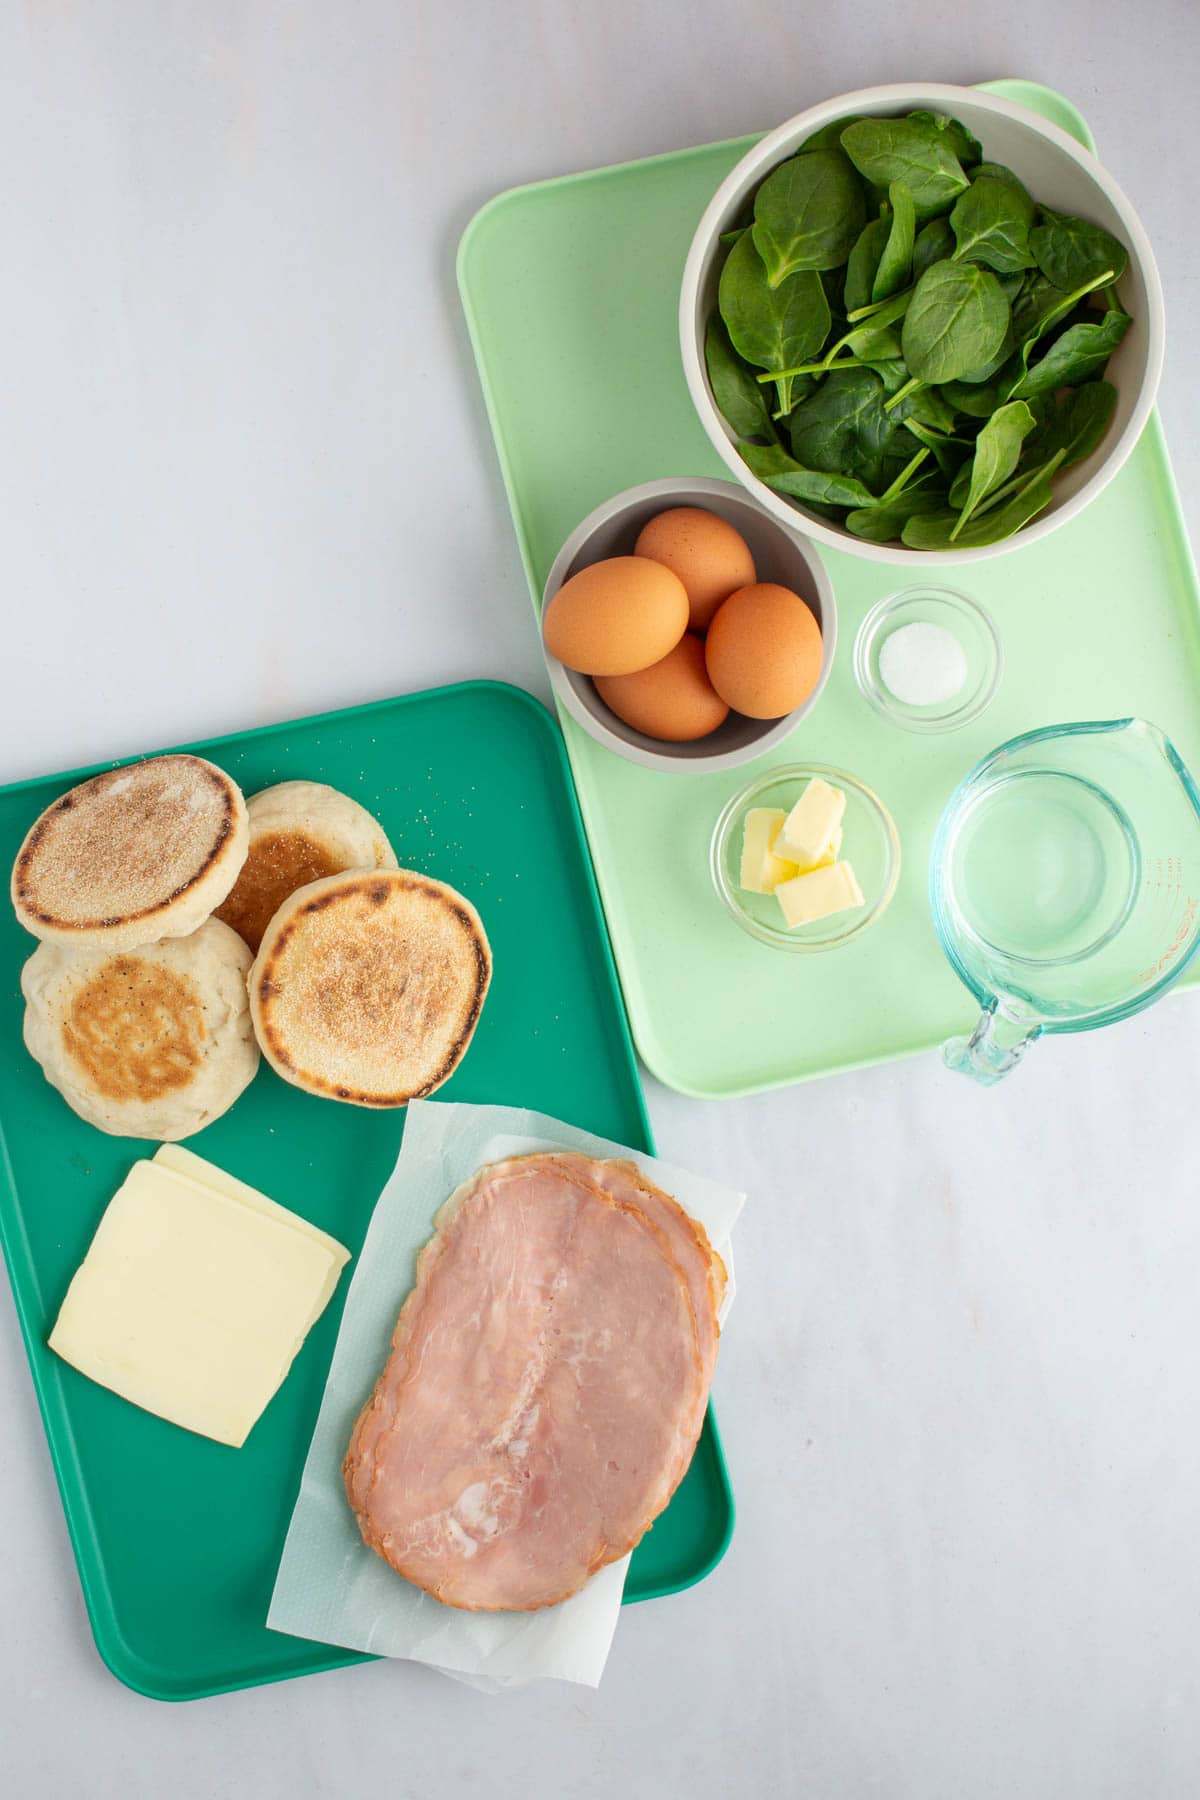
687,1240
545,1388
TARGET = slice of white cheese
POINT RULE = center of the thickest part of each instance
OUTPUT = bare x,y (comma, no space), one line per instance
197,1168
193,1303
190,1167
819,894
809,827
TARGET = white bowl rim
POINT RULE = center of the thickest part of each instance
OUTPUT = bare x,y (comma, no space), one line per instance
700,764
779,144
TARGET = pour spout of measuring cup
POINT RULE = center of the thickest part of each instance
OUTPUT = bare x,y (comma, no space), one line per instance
994,1048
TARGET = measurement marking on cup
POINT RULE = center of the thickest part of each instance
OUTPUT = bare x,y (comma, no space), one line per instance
1183,932
1165,874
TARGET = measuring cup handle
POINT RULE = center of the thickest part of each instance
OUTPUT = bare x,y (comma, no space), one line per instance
995,1047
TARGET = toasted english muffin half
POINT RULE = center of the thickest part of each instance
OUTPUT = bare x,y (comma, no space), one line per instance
151,1042
300,831
131,856
367,986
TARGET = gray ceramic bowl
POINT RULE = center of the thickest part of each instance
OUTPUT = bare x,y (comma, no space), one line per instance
780,554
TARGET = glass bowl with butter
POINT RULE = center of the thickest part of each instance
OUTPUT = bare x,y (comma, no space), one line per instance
805,858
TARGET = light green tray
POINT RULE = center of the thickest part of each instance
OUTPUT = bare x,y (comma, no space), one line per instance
570,288
177,1538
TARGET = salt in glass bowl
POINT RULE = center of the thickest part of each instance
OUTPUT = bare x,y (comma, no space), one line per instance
969,623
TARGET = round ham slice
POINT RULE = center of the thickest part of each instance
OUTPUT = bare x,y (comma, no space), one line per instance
546,1383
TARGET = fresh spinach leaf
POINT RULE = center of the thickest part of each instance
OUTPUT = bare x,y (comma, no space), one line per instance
863,262
994,171
740,400
997,452
949,451
991,224
929,406
829,137
935,243
956,321
834,283
808,213
871,342
905,475
843,426
895,264
866,346
893,374
935,531
1040,306
1079,354
884,524
914,152
965,145
772,327
1079,422
991,369
1072,252
787,476
959,487
976,401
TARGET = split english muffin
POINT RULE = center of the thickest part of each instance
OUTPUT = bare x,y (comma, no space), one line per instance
300,832
367,986
151,1042
131,856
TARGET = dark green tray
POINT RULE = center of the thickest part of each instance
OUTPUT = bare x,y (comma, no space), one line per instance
177,1539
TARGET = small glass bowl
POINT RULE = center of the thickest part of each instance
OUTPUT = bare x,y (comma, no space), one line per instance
870,843
957,613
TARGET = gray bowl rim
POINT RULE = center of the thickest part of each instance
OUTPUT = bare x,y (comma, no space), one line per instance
686,490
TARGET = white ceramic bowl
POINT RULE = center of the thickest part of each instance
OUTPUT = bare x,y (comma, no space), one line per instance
1058,172
780,554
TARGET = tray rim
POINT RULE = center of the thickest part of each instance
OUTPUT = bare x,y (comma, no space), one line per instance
124,1663
1062,110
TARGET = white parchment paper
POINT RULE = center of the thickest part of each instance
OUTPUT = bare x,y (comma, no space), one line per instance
330,1586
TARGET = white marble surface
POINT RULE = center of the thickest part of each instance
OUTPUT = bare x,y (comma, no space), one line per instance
244,474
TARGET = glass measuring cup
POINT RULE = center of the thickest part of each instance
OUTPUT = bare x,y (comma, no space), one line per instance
1065,884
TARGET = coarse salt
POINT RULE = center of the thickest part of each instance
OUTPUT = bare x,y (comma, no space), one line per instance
922,665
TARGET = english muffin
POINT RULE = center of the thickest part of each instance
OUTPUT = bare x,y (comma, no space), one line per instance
152,1042
133,855
367,986
300,831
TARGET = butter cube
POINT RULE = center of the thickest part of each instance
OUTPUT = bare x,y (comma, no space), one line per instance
762,870
819,893
809,827
832,851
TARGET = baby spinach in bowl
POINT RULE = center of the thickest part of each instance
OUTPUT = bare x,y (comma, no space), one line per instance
937,387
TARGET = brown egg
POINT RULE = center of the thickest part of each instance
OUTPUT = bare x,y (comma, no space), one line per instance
708,555
616,616
673,699
763,651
